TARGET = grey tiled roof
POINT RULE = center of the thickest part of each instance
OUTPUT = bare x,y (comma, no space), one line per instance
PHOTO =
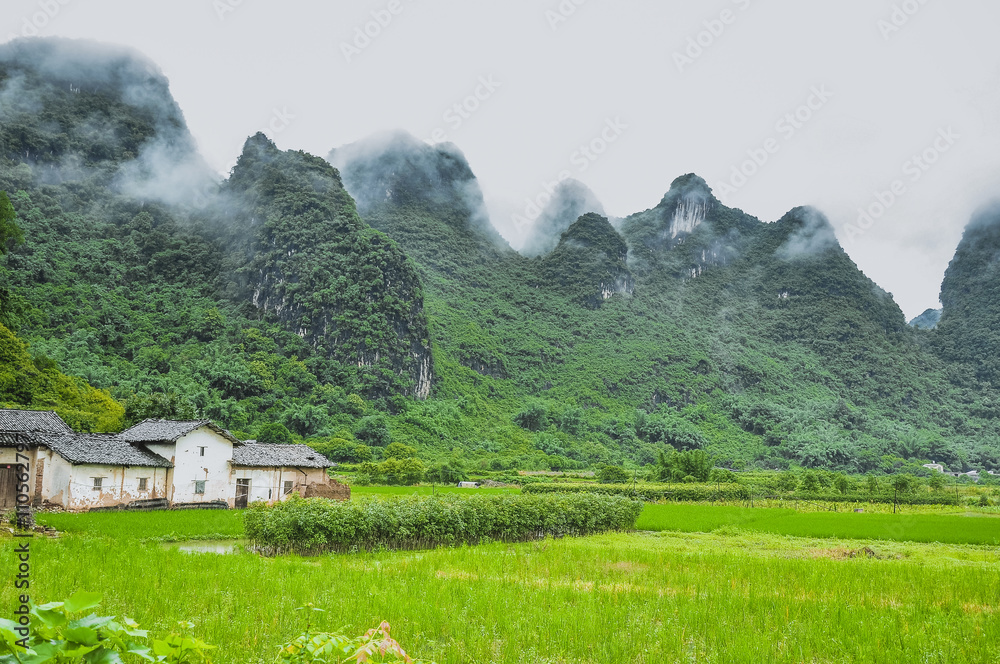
32,421
168,431
255,454
14,439
104,449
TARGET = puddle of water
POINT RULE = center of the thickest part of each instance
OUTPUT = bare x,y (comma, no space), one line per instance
207,546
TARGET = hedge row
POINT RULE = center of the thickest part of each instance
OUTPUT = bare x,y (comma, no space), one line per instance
888,499
650,492
416,522
729,492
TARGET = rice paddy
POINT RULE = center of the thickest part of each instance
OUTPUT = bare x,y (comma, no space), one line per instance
738,594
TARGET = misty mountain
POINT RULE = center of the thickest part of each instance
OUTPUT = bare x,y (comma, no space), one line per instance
79,111
145,276
928,320
303,255
373,297
590,261
969,330
436,204
570,200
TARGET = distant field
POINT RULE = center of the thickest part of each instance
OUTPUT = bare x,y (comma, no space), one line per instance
948,529
358,491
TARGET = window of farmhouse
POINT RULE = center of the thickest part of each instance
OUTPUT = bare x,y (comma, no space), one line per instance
199,487
142,483
98,483
288,487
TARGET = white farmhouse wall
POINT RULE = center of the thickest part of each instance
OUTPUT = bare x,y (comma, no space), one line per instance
190,466
119,484
268,484
56,481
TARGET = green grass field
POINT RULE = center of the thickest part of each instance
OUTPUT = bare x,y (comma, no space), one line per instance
917,527
739,594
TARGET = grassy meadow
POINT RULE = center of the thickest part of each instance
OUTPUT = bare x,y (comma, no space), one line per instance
982,528
737,594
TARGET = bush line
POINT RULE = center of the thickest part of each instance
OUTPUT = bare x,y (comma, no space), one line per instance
704,493
315,525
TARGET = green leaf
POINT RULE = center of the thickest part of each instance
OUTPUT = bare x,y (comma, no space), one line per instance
83,635
103,656
81,601
49,617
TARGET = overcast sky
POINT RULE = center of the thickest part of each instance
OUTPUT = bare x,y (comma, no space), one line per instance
690,87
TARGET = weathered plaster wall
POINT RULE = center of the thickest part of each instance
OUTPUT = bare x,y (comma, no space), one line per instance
119,485
267,484
189,467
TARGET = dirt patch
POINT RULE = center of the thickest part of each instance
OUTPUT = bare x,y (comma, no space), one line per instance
333,490
846,554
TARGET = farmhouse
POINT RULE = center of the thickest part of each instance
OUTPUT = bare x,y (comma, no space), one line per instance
178,463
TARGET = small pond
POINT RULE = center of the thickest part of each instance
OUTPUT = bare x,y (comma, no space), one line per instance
207,546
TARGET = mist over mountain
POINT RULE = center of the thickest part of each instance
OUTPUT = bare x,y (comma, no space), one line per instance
396,170
969,329
570,200
372,299
76,110
928,320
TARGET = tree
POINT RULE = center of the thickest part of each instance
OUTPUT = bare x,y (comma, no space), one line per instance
400,451
872,484
936,481
810,483
158,406
841,483
613,475
448,472
274,434
534,417
304,420
677,466
902,483
723,476
11,234
373,430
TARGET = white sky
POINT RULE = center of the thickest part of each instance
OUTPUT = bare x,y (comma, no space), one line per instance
230,71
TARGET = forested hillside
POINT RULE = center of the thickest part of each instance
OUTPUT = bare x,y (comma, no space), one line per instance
372,300
969,329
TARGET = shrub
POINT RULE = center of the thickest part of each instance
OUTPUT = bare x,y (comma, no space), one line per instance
316,524
374,431
612,475
650,492
274,434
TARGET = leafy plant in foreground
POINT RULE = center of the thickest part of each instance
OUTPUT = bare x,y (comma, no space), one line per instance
56,637
375,645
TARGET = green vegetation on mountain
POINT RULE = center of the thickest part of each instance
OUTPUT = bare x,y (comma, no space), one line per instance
969,330
277,306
